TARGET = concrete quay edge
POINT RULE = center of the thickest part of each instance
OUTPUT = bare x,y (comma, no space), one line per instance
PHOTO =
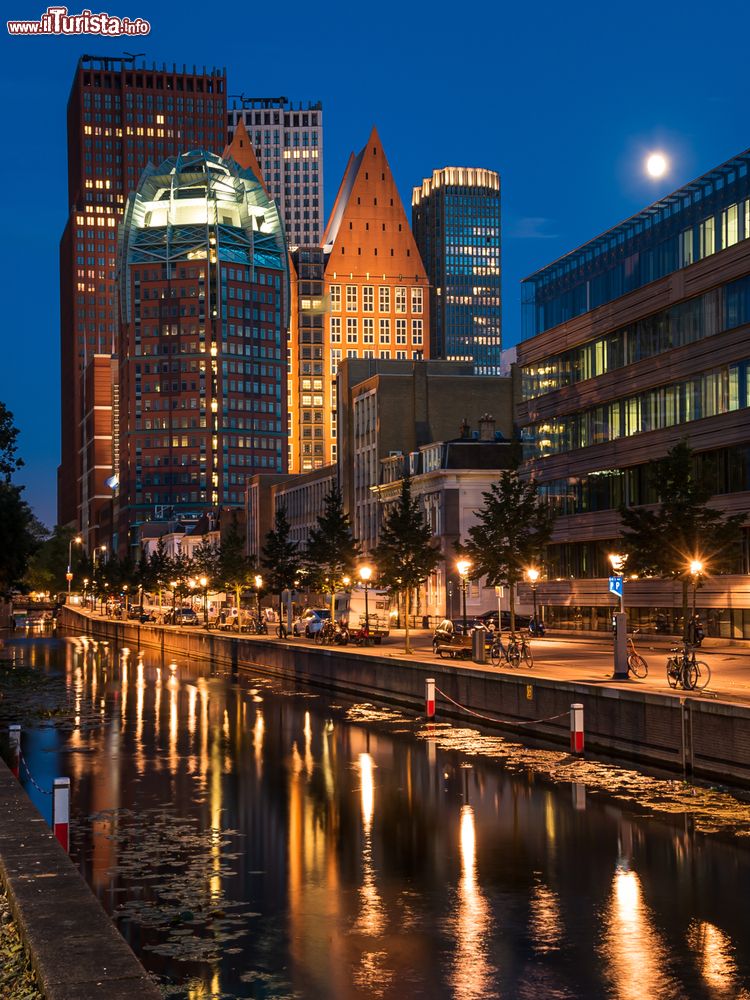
76,951
677,732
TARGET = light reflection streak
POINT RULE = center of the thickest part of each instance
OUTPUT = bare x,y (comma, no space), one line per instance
371,918
173,686
714,952
546,922
635,955
140,687
471,971
258,732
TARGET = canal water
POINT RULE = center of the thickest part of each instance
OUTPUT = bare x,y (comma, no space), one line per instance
251,840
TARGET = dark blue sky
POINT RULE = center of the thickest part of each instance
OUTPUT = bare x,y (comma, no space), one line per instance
564,99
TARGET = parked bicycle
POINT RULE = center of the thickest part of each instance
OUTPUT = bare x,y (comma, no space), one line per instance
684,670
637,664
518,648
332,632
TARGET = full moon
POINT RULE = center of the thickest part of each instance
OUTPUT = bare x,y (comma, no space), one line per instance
656,165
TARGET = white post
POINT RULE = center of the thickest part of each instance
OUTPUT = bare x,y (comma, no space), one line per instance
430,697
576,728
61,810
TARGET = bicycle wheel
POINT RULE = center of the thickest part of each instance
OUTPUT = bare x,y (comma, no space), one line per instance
496,654
689,675
319,637
637,665
513,654
673,672
704,675
528,656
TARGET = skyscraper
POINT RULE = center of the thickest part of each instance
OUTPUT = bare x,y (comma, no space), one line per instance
203,293
456,221
374,299
120,117
288,143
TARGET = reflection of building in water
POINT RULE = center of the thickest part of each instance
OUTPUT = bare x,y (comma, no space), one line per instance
472,972
635,957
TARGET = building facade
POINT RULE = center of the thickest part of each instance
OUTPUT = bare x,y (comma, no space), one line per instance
388,407
637,340
288,142
456,223
308,409
203,288
121,116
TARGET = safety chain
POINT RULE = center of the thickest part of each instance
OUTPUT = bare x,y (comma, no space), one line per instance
506,722
31,776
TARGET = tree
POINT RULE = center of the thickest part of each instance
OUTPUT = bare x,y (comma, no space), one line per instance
513,527
206,560
280,558
21,534
331,548
662,541
9,463
159,569
404,555
234,566
49,563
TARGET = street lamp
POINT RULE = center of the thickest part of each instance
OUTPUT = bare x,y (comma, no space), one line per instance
463,566
365,573
696,570
532,575
258,585
125,592
69,575
204,583
618,568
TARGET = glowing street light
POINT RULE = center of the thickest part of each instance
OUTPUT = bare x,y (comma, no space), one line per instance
532,575
617,562
258,585
365,573
203,581
696,571
463,566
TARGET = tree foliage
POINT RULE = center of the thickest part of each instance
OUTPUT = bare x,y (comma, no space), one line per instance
49,563
234,566
21,534
280,557
513,527
404,555
332,548
9,460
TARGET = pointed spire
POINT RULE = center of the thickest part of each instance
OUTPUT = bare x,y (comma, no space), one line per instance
241,150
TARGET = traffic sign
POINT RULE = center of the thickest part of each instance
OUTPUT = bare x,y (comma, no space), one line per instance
615,585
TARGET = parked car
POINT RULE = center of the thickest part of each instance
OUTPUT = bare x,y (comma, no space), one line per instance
522,621
183,616
310,621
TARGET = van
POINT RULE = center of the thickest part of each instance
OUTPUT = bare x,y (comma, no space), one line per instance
350,607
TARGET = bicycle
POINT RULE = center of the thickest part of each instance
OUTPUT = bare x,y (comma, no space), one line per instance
684,669
522,645
498,651
637,664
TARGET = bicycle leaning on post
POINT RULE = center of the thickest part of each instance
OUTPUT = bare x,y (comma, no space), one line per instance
637,664
518,648
685,670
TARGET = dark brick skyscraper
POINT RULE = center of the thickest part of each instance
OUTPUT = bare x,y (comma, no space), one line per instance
120,118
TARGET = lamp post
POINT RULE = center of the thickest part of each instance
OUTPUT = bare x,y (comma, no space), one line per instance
618,567
463,566
69,575
125,592
258,585
617,562
365,573
696,570
204,583
85,591
532,575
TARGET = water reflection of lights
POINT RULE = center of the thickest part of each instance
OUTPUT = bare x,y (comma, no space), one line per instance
636,959
174,685
471,970
258,731
367,789
546,922
371,919
714,952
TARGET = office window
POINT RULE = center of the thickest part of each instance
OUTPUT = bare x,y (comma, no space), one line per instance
416,300
416,331
351,330
335,298
335,329
384,298
729,226
368,299
368,331
400,331
351,298
706,238
385,331
400,300
686,247
335,358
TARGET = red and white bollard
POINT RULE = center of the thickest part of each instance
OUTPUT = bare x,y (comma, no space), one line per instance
61,810
429,686
576,728
14,744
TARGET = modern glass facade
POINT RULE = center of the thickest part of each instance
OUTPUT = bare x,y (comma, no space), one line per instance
456,223
701,218
203,286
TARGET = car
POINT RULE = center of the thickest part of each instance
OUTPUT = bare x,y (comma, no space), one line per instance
310,621
184,616
522,621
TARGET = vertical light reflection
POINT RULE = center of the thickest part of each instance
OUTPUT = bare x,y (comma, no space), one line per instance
636,957
216,805
471,970
371,917
157,705
173,685
124,655
258,732
546,922
714,952
308,746
140,687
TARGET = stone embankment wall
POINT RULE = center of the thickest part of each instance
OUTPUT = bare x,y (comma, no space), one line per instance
709,739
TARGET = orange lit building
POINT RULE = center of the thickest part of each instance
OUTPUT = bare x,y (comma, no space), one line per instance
371,290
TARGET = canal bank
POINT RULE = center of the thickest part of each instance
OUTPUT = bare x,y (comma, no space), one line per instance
687,735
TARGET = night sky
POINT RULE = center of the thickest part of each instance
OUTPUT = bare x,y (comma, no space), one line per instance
564,100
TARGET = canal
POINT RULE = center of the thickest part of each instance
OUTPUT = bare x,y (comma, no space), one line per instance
251,840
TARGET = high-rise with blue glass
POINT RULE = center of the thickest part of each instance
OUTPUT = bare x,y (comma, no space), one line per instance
637,340
456,223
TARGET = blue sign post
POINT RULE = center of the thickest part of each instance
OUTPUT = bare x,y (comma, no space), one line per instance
615,586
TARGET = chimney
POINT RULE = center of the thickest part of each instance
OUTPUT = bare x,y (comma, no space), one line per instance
487,427
465,430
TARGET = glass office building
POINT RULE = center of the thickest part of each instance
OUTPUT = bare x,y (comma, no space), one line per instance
456,223
638,340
